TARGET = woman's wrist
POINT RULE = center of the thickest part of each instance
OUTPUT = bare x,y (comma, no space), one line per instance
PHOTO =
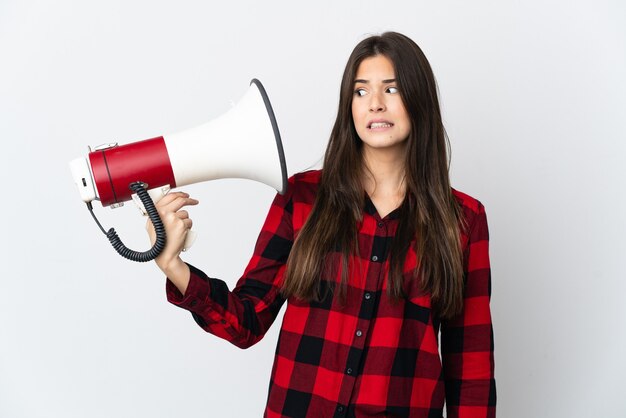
172,267
178,272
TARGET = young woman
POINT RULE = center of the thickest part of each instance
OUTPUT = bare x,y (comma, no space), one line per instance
375,254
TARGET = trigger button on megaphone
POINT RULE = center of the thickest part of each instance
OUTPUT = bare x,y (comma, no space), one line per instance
102,147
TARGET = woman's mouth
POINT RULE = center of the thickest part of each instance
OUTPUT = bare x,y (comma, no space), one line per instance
379,125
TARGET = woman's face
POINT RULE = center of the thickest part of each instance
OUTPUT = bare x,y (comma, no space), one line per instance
379,115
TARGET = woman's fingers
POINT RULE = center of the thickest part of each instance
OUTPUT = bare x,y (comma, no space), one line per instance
175,203
177,224
171,196
169,209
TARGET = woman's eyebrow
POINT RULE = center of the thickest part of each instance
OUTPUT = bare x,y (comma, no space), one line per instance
388,81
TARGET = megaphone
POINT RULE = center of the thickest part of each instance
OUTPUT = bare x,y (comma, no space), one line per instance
242,143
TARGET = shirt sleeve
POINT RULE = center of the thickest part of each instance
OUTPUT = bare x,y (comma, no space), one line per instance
467,340
243,316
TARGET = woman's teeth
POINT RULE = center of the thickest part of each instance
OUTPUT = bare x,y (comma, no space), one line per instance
380,125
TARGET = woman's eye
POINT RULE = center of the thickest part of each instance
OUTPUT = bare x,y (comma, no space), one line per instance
392,90
360,92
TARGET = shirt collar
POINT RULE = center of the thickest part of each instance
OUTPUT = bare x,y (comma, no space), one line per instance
370,209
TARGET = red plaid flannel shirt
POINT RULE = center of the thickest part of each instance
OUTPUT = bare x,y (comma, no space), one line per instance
369,357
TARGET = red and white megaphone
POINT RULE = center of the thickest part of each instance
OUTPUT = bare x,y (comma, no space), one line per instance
242,143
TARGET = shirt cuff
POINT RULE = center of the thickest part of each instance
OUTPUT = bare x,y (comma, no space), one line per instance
197,293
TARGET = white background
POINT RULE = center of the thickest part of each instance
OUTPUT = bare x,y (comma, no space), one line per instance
533,96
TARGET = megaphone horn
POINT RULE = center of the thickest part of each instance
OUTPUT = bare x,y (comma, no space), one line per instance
242,143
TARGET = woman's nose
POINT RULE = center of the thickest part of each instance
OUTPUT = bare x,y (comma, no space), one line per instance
377,104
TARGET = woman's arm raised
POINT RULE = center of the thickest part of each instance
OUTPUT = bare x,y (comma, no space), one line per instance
244,314
177,224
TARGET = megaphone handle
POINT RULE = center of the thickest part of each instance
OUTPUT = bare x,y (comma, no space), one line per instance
152,253
189,239
156,195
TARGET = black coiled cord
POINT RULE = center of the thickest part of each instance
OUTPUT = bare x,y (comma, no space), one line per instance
148,204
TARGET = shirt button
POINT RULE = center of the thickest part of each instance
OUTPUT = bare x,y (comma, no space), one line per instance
349,371
380,224
223,321
359,333
368,296
375,258
194,303
340,409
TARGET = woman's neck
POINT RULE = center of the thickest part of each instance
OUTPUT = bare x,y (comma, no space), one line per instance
383,173
384,180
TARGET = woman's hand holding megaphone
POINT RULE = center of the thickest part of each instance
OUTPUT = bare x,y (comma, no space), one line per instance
177,225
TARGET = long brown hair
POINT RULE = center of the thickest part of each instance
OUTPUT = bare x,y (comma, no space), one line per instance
429,214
